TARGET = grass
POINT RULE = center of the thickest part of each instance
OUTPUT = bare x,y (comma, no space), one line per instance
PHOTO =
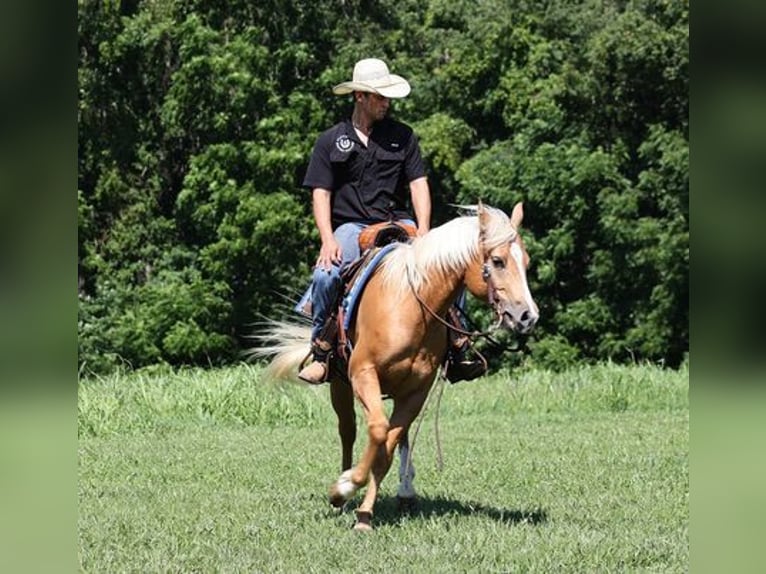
216,471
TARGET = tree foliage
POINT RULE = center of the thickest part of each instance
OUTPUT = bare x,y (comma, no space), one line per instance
196,120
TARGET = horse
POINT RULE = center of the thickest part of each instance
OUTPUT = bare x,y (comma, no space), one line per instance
399,337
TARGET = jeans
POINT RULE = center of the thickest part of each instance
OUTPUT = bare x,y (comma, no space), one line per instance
326,284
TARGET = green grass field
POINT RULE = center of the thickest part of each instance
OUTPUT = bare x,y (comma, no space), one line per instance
217,471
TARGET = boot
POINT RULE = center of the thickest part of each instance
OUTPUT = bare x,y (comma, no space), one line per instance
315,373
459,368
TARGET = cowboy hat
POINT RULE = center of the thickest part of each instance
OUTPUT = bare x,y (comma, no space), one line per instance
372,75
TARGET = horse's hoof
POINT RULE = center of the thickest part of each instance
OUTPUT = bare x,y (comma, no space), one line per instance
407,504
363,522
336,500
342,489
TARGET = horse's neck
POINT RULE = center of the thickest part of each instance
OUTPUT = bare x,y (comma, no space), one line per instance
440,293
446,281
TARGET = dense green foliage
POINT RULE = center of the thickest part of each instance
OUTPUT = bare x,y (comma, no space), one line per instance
197,117
212,470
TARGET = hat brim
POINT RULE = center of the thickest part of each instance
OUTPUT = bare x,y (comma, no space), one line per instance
393,87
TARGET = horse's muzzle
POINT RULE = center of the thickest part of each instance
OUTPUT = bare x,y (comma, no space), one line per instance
519,319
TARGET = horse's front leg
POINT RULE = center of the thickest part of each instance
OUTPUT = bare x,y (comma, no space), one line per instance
380,468
402,416
342,398
367,389
406,495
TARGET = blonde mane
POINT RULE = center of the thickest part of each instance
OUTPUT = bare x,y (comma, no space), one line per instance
445,250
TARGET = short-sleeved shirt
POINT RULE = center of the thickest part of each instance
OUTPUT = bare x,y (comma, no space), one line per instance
368,183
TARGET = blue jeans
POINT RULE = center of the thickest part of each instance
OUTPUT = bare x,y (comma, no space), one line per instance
326,284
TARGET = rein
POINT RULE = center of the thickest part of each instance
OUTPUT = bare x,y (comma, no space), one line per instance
472,335
435,315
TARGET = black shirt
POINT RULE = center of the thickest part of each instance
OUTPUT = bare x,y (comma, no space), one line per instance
368,183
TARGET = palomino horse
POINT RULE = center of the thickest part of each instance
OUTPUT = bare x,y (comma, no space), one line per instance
399,340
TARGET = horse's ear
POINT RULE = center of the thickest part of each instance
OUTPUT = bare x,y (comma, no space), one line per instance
517,215
483,216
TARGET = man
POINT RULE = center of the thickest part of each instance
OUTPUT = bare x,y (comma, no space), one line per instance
362,171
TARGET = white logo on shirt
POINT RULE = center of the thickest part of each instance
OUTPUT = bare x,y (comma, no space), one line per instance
344,144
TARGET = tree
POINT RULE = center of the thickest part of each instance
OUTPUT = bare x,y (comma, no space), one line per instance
196,119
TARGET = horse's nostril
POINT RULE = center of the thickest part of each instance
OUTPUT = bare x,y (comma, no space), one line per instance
524,318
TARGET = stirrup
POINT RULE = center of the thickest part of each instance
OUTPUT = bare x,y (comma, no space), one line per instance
318,369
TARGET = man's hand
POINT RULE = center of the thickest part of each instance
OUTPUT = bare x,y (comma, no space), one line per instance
330,253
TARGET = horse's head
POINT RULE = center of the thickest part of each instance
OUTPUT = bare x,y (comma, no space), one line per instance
501,275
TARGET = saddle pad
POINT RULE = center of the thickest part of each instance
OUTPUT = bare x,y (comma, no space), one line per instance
351,300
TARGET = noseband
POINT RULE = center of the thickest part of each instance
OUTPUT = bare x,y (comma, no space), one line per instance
486,274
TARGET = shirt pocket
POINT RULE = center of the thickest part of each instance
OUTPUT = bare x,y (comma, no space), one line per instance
342,166
340,157
390,168
387,156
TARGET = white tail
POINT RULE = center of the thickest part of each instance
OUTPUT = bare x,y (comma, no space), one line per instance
285,344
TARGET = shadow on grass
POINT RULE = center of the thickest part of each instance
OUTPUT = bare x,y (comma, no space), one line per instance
389,512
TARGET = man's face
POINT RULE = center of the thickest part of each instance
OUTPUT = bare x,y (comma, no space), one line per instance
375,106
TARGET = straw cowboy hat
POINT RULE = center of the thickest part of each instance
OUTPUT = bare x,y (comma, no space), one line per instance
372,75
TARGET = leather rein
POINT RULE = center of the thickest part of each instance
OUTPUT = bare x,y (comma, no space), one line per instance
435,315
472,335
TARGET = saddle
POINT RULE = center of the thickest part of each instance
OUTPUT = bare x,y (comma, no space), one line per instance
386,232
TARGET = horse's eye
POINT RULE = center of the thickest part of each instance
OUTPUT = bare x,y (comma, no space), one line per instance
498,263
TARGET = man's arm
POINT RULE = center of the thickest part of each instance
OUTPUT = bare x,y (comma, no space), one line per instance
330,251
421,203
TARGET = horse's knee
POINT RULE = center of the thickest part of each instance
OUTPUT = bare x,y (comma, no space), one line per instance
378,431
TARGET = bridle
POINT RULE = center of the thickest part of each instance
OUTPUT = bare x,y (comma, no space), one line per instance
486,274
